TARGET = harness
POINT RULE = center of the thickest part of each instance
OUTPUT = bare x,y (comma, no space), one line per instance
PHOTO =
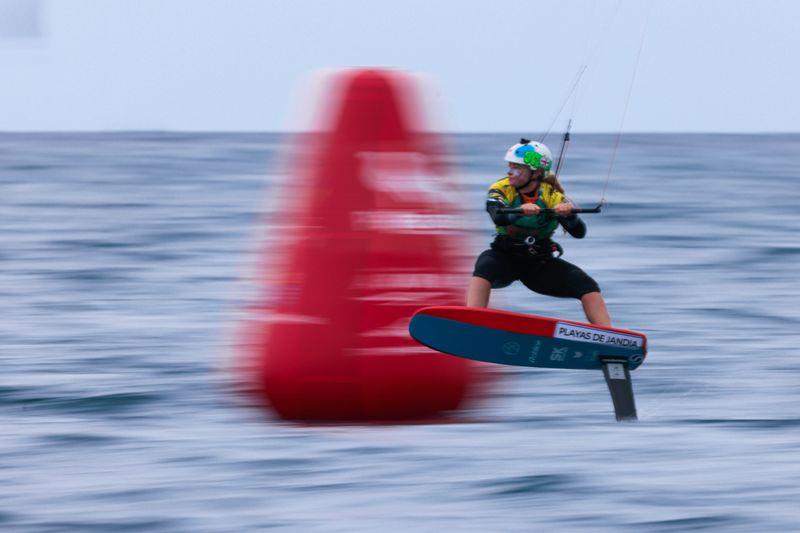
537,248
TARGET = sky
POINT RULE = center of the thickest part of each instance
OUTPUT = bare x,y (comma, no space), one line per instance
221,65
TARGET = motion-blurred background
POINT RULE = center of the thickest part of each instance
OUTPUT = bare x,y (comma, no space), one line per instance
154,158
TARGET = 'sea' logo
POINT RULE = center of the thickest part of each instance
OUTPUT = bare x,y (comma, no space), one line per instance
511,348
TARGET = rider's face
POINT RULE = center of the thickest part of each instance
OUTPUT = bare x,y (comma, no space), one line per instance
518,174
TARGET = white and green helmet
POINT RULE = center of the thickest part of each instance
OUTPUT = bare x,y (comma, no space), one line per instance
531,153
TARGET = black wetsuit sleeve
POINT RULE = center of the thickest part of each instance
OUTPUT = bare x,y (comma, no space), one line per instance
500,219
574,225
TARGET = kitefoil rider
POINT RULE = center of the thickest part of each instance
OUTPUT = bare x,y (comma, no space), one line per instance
523,248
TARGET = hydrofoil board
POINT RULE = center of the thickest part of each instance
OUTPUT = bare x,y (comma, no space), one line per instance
508,338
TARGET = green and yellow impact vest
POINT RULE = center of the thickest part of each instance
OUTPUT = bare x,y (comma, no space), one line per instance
539,226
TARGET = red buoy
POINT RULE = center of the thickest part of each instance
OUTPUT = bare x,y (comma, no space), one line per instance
372,234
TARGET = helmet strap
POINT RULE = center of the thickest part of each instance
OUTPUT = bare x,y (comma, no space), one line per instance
527,182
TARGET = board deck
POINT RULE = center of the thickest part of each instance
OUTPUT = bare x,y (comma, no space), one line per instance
509,338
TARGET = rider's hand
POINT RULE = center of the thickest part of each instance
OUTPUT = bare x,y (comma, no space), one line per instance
530,209
564,209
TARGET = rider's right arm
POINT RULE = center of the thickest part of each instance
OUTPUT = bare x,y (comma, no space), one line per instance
493,204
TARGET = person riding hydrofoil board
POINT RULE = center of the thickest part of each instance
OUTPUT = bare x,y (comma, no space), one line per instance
523,248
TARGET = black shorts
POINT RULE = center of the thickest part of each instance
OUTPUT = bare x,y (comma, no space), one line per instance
540,273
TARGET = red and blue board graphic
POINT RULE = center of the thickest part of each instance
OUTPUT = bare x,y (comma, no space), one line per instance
510,338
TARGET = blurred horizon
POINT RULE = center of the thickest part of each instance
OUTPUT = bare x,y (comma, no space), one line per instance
555,133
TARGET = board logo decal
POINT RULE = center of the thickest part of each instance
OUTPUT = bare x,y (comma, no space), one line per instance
511,348
598,336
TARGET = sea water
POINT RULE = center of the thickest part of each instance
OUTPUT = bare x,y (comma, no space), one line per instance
124,266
